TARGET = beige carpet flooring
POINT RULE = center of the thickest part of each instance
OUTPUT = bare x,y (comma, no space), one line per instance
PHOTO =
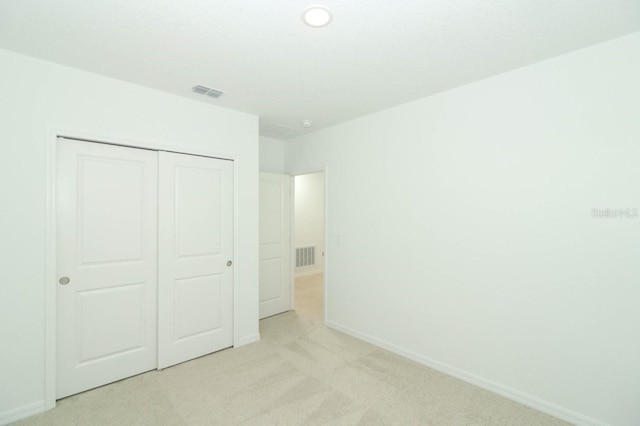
308,297
301,373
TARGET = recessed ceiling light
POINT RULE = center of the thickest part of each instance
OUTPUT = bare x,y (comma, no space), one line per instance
307,123
317,16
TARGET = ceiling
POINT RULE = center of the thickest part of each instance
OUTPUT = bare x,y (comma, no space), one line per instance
375,54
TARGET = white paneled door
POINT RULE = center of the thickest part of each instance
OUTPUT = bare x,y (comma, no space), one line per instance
275,244
195,257
107,264
144,247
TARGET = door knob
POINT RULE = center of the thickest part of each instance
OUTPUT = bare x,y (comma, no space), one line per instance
229,263
64,280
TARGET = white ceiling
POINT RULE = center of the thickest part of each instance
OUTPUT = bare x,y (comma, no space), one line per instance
374,55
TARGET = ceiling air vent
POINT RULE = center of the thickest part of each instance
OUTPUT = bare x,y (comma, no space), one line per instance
203,90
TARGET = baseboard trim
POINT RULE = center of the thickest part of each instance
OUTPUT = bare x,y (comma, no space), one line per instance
247,340
509,393
21,412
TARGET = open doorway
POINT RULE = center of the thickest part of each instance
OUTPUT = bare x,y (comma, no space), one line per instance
309,245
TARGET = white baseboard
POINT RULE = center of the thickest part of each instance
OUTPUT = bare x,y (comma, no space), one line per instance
247,340
512,394
21,412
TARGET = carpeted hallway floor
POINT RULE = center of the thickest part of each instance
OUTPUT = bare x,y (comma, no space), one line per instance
309,297
301,373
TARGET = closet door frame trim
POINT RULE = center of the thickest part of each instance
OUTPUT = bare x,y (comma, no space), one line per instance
51,278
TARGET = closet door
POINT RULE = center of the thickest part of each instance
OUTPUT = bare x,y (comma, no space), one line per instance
195,257
106,212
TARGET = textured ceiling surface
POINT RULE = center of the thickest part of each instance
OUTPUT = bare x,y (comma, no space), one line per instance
374,55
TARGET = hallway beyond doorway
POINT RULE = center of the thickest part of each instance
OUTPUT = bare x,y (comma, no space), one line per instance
309,297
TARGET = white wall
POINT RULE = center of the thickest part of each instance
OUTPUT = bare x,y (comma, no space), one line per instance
38,98
461,224
272,153
309,218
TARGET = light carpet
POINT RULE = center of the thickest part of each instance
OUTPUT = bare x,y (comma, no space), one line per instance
301,373
309,297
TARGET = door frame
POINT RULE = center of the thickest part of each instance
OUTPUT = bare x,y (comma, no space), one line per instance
292,242
51,278
325,272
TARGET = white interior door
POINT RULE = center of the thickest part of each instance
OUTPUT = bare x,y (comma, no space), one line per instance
107,264
195,257
275,244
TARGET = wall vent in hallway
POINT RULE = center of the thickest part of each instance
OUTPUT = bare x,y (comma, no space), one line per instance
305,256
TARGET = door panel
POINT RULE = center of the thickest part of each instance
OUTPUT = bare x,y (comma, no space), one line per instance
97,201
196,242
198,218
100,335
106,225
275,244
193,298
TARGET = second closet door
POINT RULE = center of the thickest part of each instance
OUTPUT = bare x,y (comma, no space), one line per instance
195,305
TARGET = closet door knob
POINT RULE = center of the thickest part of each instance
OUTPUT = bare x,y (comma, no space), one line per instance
64,280
229,263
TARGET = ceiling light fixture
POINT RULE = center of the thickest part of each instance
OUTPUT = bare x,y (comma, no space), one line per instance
307,123
317,16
